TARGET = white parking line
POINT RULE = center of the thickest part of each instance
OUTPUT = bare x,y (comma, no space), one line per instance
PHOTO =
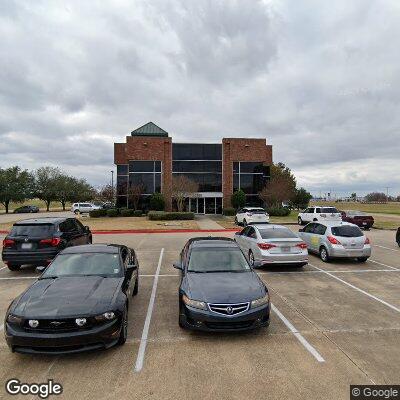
354,271
384,265
384,247
11,278
298,335
2,268
145,333
1,327
358,289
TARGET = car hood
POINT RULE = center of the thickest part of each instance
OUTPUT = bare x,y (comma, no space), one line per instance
67,296
224,287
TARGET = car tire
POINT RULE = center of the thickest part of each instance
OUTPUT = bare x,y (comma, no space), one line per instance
323,254
300,221
300,265
180,322
14,267
90,241
362,259
315,220
124,328
244,222
136,288
236,221
76,212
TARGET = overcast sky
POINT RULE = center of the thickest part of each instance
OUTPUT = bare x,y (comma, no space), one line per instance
320,80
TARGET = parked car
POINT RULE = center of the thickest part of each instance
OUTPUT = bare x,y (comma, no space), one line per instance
79,303
219,291
319,213
249,215
359,218
26,209
398,236
336,240
272,244
84,207
38,241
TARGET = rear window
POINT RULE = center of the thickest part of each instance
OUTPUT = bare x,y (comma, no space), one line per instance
257,211
40,230
277,233
347,231
329,210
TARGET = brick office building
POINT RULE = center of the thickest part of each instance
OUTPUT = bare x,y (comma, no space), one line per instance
150,158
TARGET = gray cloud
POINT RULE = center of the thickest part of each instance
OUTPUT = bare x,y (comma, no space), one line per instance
319,80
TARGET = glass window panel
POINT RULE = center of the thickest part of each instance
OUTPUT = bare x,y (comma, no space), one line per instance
158,183
251,167
122,169
147,180
235,167
236,182
219,205
196,151
206,182
122,185
141,166
157,166
121,201
197,166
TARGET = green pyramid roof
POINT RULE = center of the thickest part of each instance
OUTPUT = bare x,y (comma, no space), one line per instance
149,129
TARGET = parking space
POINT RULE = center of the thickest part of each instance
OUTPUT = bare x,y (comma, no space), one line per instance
331,326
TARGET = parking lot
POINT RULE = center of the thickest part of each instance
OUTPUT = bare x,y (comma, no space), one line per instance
332,325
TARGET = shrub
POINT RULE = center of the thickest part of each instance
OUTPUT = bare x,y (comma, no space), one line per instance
157,202
137,213
113,212
278,211
126,212
97,213
238,199
169,216
229,211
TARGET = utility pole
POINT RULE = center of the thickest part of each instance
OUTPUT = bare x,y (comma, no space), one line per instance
112,186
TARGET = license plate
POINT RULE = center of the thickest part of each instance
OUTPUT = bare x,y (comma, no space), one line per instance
285,249
26,246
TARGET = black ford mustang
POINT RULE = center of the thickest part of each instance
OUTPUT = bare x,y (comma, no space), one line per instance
79,303
219,291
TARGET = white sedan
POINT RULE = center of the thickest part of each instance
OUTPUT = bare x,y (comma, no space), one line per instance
248,215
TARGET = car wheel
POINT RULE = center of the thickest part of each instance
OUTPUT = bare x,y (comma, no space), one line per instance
90,241
236,221
180,322
124,328
244,222
14,267
76,212
299,221
251,258
300,265
323,253
136,288
315,220
362,259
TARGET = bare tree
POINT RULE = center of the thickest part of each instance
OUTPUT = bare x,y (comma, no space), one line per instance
134,194
181,188
106,193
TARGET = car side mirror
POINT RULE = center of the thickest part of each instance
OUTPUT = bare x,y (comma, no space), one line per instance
177,265
40,269
131,267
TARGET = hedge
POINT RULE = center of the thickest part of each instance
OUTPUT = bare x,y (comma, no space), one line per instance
230,211
126,212
97,213
137,213
169,216
278,211
112,213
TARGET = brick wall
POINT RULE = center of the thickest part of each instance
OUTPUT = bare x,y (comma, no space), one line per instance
234,149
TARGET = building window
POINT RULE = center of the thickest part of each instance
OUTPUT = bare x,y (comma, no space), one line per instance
196,151
147,174
250,177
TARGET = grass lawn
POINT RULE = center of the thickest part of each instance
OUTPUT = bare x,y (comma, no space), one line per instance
388,208
54,205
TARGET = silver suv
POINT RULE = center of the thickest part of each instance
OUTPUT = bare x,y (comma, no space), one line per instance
336,239
84,207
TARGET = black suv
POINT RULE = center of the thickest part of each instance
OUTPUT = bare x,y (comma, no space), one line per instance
38,241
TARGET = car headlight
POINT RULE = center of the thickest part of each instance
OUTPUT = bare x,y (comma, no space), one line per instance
194,303
260,302
107,316
13,319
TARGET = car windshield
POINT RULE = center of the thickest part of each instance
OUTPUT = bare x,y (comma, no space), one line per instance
347,231
102,264
217,260
40,230
277,233
329,210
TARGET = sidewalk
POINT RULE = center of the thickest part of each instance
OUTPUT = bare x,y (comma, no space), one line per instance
205,223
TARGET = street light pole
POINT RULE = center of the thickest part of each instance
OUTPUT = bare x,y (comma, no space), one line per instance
112,186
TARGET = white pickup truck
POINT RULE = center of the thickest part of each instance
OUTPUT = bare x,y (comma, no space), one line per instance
319,213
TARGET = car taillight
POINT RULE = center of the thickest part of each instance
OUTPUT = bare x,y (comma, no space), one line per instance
302,245
55,241
367,241
333,240
265,246
8,242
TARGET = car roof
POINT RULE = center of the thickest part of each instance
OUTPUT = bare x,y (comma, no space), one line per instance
332,224
254,208
43,220
93,248
268,226
211,241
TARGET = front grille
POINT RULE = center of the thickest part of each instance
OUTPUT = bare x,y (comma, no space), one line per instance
229,325
58,325
229,309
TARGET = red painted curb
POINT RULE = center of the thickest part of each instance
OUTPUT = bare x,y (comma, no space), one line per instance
133,231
